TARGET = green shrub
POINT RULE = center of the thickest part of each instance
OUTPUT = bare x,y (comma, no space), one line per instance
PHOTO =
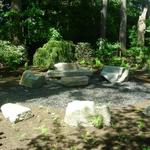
137,56
53,52
11,55
106,50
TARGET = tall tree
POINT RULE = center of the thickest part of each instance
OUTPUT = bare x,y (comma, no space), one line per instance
16,8
142,27
123,26
103,18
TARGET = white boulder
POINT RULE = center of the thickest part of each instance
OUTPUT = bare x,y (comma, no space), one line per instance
77,113
15,113
115,74
80,112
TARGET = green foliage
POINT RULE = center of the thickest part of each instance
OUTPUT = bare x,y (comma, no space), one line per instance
106,50
137,56
54,34
97,121
73,148
43,130
133,36
119,61
10,54
145,147
53,52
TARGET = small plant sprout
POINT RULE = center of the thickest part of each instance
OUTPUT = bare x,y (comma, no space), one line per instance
141,124
21,136
56,121
97,121
44,130
73,148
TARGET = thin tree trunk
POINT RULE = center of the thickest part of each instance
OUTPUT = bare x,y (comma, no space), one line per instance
142,27
123,26
103,19
17,30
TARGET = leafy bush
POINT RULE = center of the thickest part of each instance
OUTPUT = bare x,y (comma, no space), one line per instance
53,34
11,55
133,36
53,52
137,56
106,51
119,61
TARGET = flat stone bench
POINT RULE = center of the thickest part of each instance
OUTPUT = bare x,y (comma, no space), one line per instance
68,73
74,81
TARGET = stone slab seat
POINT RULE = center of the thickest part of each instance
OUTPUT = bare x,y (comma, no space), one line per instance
74,81
69,73
115,74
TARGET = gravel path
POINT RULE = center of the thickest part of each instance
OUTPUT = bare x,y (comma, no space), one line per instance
56,95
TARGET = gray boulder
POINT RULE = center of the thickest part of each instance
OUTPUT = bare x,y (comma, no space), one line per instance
74,81
15,112
115,74
31,80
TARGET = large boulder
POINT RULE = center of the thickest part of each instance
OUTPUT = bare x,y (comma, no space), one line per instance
115,74
80,112
31,80
77,113
75,81
15,112
68,73
66,66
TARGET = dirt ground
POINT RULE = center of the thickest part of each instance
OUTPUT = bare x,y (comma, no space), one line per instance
130,129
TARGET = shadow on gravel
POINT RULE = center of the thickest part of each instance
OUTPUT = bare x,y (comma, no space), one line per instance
11,91
130,130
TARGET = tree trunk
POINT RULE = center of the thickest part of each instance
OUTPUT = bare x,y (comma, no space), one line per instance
123,26
142,27
16,5
17,30
103,19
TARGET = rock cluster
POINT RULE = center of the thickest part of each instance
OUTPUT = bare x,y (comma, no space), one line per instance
70,74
